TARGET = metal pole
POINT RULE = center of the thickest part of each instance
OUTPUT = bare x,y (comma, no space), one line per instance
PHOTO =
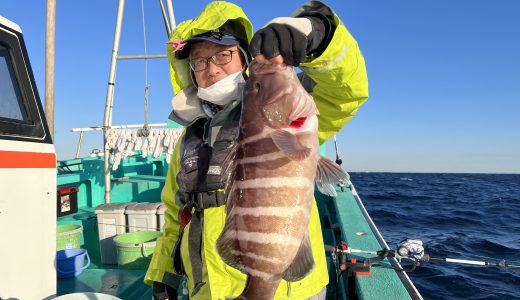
110,96
149,56
165,18
50,43
170,13
79,143
98,128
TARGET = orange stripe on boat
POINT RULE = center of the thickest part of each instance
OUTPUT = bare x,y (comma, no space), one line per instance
16,159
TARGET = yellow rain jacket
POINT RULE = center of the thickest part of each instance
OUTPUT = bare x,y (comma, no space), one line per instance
339,86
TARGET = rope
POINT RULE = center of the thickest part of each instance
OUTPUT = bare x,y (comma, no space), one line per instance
146,85
130,227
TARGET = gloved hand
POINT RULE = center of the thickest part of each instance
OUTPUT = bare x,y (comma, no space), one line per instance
292,38
163,291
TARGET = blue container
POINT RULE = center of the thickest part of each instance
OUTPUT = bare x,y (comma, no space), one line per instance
71,262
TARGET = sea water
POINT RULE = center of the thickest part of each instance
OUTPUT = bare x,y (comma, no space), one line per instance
464,216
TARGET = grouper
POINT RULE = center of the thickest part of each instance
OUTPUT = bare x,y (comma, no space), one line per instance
270,190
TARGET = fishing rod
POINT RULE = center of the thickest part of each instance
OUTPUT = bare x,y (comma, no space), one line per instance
338,160
414,250
408,249
502,263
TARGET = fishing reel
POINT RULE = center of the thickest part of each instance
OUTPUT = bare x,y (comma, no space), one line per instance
410,249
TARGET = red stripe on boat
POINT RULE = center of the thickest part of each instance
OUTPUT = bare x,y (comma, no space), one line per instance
16,159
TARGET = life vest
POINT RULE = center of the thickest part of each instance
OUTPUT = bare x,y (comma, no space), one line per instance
202,178
202,169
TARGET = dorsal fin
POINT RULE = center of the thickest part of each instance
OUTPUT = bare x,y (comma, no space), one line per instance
329,173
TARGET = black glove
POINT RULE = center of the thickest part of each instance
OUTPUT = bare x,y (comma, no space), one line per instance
163,291
293,38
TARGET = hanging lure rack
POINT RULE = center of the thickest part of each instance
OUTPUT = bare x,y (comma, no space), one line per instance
119,143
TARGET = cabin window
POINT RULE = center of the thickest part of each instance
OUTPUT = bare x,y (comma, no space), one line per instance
20,106
11,103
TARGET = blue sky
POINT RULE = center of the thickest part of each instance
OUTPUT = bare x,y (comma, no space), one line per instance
443,76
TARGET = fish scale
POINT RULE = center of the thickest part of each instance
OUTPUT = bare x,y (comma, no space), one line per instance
271,187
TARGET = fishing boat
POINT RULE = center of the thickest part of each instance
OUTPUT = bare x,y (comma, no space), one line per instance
75,198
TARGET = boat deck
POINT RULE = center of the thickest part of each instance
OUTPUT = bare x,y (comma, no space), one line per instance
343,218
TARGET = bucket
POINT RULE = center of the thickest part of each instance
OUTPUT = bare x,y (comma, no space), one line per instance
71,262
135,249
87,296
68,236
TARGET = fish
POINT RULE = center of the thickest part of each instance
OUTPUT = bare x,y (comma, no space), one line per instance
270,189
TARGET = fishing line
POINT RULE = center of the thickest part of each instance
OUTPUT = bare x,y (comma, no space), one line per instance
334,258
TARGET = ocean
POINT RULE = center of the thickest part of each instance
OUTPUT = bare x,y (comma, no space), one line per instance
464,216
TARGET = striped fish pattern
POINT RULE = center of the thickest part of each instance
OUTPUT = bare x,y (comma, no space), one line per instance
271,186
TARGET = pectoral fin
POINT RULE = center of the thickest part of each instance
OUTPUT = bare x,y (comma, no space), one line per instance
329,173
290,145
302,264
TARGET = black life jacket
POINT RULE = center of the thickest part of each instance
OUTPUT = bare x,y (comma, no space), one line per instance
201,180
202,168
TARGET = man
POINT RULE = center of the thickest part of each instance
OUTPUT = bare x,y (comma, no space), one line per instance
208,62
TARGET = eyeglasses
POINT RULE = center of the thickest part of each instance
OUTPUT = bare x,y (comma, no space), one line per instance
220,58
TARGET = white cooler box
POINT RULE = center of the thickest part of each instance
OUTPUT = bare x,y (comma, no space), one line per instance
142,216
111,222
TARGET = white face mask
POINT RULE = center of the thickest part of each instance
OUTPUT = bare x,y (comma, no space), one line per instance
223,91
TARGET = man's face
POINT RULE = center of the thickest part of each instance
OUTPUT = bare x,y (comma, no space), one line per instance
213,72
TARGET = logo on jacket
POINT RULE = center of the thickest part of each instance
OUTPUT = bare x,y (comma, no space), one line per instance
215,170
190,161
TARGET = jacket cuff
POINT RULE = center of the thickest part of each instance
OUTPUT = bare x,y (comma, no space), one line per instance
162,261
159,266
316,12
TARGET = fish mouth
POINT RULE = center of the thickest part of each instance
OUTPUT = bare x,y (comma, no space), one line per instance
263,69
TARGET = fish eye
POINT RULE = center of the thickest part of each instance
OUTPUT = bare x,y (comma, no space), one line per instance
257,87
